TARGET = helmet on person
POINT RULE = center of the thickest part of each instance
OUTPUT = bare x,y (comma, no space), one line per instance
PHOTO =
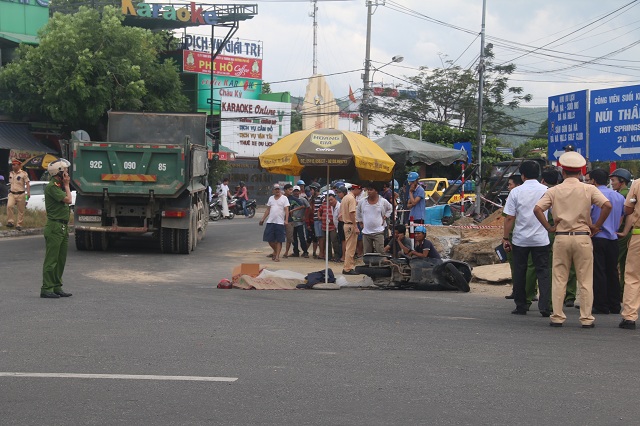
241,183
301,182
1,178
421,229
58,166
314,186
412,176
623,174
225,284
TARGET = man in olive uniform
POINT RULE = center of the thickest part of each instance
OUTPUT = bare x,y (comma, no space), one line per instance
571,202
57,198
19,192
631,295
620,179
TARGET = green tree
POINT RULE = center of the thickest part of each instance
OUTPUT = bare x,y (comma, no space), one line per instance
296,121
87,64
449,96
543,130
533,148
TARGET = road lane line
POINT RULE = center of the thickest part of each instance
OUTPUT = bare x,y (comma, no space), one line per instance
119,376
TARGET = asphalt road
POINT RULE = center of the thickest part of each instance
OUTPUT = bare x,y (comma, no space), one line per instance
348,357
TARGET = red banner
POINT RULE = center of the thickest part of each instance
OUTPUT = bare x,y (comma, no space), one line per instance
233,66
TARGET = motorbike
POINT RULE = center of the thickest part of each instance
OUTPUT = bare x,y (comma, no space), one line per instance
251,207
418,274
215,208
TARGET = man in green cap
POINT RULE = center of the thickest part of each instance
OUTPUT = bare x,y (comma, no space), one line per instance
57,198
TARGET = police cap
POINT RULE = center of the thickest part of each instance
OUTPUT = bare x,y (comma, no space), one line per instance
572,161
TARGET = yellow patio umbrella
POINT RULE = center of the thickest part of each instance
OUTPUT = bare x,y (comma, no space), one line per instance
319,150
39,162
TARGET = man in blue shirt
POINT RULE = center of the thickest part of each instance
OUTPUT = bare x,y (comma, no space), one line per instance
416,198
606,283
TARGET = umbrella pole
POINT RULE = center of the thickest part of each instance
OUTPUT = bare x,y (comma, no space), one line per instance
394,242
326,239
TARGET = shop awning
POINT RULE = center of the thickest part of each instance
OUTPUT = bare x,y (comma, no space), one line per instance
18,38
17,136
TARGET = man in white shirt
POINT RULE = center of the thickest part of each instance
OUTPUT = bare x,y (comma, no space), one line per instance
372,213
277,214
224,197
529,237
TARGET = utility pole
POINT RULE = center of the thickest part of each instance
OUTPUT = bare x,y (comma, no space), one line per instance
366,92
314,15
480,95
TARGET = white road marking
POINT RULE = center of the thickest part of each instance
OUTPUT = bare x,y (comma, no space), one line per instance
119,376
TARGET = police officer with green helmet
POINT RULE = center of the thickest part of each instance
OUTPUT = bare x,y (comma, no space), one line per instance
57,198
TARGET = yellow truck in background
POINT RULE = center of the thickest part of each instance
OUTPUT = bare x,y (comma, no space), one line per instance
434,188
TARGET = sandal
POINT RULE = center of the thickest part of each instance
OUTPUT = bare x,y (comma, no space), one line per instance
285,256
276,260
315,256
270,255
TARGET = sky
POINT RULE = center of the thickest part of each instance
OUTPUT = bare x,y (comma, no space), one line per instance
557,46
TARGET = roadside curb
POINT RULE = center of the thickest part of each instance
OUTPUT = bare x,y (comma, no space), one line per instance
26,232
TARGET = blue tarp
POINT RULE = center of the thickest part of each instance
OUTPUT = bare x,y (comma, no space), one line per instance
434,214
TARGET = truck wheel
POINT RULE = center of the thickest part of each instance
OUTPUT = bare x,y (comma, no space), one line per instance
251,211
193,231
456,278
183,241
82,240
374,272
166,240
99,241
203,218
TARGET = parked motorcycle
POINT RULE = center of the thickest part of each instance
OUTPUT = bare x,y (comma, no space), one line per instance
251,207
215,208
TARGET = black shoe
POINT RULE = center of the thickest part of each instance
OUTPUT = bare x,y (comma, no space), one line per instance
352,272
535,299
568,303
545,314
518,312
10,225
63,294
305,255
18,228
600,311
49,295
575,305
295,255
627,324
509,297
555,324
592,325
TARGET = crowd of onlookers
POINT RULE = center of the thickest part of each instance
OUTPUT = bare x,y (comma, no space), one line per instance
569,231
342,222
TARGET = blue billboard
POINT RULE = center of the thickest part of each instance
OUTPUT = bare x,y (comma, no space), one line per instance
614,124
567,115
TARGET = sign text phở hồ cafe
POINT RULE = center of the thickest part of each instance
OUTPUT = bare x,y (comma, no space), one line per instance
192,13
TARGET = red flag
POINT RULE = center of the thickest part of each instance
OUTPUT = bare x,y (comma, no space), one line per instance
352,98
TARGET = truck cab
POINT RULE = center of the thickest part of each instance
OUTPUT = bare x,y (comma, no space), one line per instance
434,188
